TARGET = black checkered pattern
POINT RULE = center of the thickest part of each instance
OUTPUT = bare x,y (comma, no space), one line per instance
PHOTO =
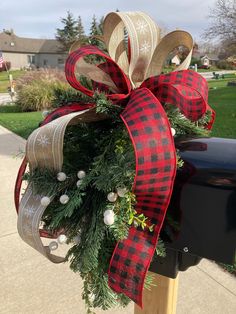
150,133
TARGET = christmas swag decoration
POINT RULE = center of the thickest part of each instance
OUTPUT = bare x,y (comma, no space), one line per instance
102,169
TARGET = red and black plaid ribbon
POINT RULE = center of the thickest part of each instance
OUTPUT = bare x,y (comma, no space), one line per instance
149,130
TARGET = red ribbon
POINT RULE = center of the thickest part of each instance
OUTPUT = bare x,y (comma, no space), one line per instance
149,130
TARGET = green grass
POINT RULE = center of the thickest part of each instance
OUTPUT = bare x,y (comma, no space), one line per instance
222,99
21,123
4,79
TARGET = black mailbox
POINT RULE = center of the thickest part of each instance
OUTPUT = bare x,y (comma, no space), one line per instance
201,219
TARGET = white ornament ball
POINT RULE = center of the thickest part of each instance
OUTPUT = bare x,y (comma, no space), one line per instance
45,201
64,199
112,197
173,132
81,174
121,191
62,239
61,176
53,245
45,113
78,183
77,239
108,212
109,220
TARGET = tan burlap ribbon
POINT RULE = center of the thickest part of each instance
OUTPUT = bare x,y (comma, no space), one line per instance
45,145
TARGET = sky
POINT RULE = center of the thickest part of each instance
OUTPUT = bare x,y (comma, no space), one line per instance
39,19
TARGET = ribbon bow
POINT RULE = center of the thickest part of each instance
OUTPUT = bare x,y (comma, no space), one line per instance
135,81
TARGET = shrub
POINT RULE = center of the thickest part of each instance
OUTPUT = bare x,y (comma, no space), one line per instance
223,64
5,66
35,89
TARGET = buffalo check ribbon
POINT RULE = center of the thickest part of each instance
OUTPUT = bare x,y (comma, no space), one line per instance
134,82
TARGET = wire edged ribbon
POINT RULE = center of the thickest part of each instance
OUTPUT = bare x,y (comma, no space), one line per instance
134,81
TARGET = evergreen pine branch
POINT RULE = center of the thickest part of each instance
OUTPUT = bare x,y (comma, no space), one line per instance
184,126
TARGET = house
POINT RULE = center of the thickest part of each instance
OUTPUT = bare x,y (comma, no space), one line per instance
209,60
30,52
176,60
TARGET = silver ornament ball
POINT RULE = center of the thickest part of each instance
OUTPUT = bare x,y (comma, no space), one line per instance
81,174
61,176
108,212
109,220
77,239
121,191
53,246
78,183
62,239
112,197
173,132
45,201
64,199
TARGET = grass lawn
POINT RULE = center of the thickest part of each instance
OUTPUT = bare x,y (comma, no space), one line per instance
4,79
222,99
21,123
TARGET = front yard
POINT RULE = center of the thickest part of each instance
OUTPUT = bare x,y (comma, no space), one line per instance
4,79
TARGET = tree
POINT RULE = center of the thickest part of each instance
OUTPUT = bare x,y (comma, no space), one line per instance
223,21
80,29
96,33
69,33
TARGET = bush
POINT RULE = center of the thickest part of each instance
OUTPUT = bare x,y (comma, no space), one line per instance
35,89
5,66
223,64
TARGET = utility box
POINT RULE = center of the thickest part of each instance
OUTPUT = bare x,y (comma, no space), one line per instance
201,218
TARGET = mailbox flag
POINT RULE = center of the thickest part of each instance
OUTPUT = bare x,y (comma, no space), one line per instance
1,60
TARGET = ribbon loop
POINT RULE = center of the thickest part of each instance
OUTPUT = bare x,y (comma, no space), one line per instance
168,43
143,34
108,73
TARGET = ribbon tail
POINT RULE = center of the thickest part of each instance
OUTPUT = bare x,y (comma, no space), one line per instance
149,130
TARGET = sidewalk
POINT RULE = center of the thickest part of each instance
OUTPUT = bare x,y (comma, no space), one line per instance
5,98
31,285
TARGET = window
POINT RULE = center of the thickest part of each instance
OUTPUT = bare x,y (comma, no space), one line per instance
45,62
60,61
31,59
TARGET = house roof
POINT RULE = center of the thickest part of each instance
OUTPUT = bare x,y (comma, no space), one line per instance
211,57
9,42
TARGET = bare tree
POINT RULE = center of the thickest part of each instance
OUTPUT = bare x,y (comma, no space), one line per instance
223,21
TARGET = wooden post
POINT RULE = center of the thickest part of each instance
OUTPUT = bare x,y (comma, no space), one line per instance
162,299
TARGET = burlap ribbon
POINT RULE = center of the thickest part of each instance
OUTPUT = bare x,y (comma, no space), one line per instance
134,79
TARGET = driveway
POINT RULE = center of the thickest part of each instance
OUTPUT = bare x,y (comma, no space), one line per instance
5,98
209,75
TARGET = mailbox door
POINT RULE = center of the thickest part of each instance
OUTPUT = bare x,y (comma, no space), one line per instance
201,218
